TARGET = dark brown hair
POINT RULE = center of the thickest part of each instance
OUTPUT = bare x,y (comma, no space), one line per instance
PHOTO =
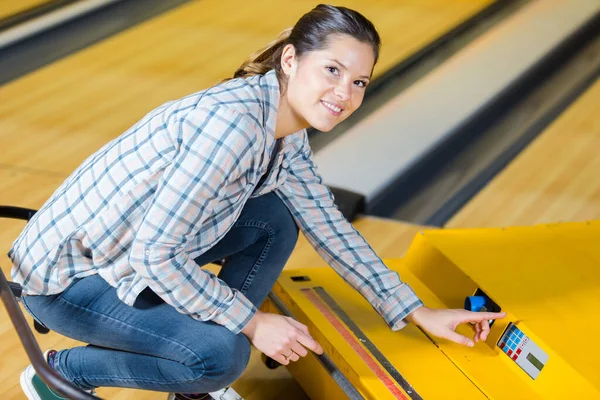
312,32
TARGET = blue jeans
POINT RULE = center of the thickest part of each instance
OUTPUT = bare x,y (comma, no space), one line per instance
151,345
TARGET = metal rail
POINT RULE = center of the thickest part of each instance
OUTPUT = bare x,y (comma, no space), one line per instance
9,292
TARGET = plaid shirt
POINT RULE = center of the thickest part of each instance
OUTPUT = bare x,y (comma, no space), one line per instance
143,207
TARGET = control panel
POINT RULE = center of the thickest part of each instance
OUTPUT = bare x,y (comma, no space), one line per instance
522,350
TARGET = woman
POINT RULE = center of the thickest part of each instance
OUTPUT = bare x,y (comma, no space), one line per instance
114,257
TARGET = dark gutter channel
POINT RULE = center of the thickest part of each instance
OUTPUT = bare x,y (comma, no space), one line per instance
442,182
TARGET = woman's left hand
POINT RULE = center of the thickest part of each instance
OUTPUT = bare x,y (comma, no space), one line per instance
443,323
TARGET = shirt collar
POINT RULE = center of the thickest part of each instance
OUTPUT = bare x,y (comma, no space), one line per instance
269,84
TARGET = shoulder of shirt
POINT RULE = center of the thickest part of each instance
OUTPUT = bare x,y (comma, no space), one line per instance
243,97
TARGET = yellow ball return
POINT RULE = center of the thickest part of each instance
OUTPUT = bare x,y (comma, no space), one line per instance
546,277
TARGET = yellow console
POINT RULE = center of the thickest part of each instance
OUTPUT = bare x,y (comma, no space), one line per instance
546,277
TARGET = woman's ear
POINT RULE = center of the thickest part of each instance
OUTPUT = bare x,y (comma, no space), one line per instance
288,59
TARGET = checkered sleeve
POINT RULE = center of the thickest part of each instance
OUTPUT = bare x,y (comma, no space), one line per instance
214,151
336,240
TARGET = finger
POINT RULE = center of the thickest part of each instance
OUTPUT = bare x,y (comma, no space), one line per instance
280,358
477,335
484,329
300,326
474,316
458,338
310,343
299,349
295,357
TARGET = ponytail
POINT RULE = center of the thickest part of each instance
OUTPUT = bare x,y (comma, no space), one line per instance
265,59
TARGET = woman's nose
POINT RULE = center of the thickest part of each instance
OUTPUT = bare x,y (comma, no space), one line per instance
342,91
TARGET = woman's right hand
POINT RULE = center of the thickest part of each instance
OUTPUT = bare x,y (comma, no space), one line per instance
282,338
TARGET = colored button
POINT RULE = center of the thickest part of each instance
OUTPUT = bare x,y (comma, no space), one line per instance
515,357
510,352
474,303
518,351
502,345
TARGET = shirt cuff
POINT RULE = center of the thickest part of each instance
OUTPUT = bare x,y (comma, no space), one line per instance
398,305
237,315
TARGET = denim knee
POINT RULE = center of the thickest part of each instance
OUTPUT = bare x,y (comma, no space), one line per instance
284,225
271,210
228,361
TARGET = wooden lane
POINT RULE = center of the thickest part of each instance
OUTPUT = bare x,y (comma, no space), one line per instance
71,108
554,179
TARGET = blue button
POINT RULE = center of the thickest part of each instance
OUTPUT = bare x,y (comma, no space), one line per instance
474,303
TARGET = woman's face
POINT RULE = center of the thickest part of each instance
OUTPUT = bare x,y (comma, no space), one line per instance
325,86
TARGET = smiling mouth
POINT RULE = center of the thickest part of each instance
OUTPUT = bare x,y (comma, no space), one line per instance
332,108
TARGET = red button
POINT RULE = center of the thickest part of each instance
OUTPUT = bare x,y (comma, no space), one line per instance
502,345
515,356
510,352
518,351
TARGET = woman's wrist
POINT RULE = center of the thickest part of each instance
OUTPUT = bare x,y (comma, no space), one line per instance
250,327
413,316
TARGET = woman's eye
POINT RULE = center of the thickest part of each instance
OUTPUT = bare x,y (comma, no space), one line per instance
361,84
333,70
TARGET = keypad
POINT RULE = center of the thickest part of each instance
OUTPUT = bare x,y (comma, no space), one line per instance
513,341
